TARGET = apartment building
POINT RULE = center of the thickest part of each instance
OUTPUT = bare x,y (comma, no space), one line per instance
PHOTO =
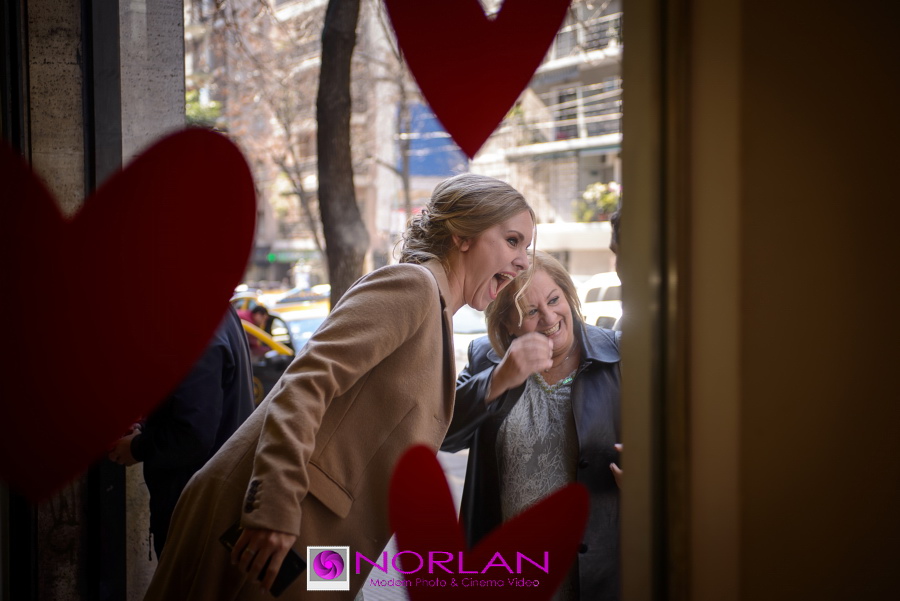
565,133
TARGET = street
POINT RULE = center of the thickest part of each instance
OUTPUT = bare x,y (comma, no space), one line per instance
454,465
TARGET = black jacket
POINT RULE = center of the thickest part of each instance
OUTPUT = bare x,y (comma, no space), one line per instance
595,401
188,428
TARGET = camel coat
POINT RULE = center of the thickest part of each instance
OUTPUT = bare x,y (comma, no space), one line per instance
316,457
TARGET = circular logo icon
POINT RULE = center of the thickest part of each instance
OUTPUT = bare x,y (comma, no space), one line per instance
328,565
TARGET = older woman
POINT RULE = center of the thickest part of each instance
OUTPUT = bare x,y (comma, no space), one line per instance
538,407
312,465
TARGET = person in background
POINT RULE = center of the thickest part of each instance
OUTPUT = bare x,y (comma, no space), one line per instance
312,465
191,424
258,316
538,408
614,221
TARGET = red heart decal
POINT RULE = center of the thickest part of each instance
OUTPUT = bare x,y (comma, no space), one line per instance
423,514
471,69
107,311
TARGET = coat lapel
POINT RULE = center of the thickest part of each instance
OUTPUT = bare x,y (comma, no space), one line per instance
440,276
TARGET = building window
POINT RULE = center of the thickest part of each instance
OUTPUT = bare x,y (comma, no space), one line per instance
566,114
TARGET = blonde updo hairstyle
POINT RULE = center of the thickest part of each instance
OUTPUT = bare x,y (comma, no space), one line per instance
464,205
509,306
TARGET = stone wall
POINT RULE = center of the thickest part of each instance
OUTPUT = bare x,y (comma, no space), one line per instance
56,77
151,92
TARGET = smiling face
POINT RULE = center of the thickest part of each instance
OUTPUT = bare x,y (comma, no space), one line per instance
547,312
488,262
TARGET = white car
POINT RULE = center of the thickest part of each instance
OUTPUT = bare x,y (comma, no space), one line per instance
303,323
601,299
468,324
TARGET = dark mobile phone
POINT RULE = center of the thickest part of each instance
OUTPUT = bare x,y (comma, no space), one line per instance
291,568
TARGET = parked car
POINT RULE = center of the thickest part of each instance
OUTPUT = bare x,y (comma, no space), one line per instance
247,300
302,298
303,323
601,299
468,324
288,334
250,298
275,326
269,361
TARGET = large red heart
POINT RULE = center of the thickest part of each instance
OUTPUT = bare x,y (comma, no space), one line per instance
424,517
471,69
105,312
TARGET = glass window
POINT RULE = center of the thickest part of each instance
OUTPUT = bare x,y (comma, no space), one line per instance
567,114
279,331
303,329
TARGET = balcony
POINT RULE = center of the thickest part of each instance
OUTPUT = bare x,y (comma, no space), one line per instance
579,117
589,41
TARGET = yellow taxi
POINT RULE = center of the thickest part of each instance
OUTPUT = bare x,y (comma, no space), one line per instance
272,349
269,359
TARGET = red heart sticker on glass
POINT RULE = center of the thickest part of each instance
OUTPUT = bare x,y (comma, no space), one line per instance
470,68
107,310
530,554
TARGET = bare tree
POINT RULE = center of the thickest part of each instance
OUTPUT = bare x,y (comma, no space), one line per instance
406,95
274,57
346,237
271,109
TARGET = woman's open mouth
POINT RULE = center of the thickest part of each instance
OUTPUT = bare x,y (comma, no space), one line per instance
551,331
501,280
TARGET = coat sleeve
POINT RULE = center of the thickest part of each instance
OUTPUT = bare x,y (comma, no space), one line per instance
469,409
373,319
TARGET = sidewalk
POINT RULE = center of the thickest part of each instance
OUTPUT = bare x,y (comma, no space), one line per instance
454,465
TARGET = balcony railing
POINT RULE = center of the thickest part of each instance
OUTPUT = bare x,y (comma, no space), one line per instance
585,36
568,113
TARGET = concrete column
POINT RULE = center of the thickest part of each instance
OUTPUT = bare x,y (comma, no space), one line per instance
72,130
152,75
56,75
152,51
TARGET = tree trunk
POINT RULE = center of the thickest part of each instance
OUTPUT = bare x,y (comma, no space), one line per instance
346,237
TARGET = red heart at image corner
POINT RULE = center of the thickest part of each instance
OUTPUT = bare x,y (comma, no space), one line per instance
424,517
106,311
471,69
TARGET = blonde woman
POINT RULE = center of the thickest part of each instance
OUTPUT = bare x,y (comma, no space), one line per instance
312,465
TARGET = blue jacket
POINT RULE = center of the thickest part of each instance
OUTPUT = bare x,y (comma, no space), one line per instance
194,421
595,401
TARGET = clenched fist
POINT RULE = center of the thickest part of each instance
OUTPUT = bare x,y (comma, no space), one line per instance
526,355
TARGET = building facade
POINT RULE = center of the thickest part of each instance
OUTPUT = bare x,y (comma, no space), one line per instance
255,65
565,133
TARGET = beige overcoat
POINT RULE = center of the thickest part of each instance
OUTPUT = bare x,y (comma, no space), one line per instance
316,456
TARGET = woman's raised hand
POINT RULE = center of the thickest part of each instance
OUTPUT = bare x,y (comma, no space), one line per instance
528,354
616,470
